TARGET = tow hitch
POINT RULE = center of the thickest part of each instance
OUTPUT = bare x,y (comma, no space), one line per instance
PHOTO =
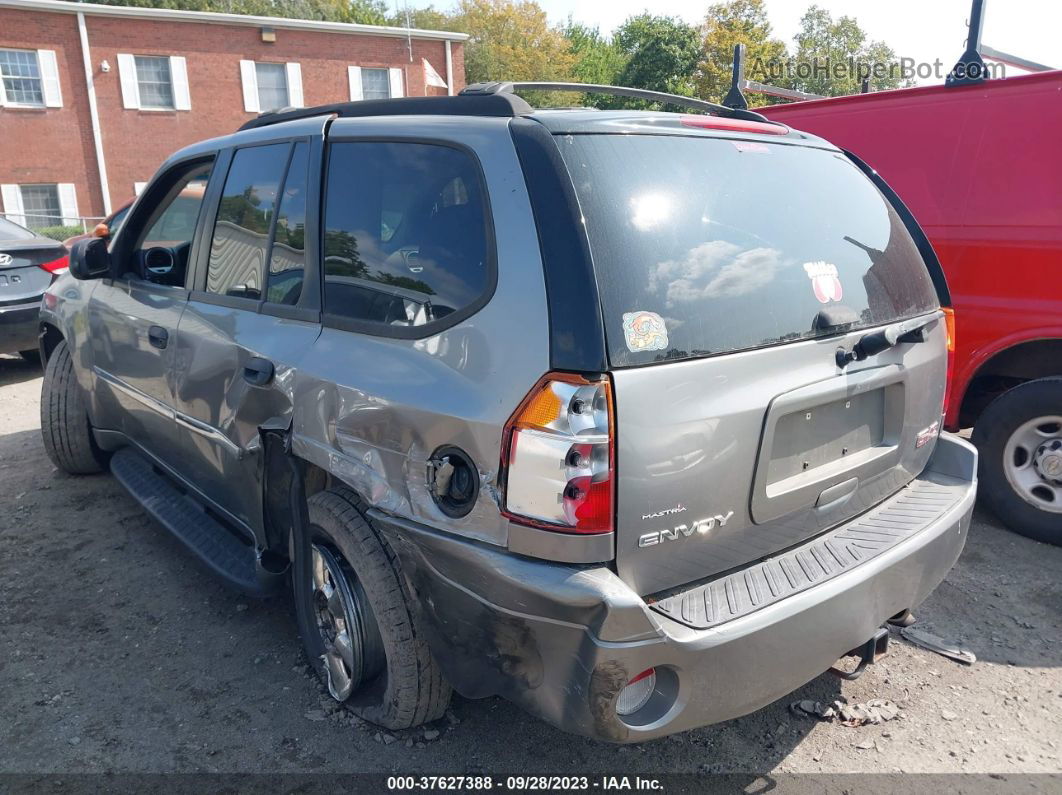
870,652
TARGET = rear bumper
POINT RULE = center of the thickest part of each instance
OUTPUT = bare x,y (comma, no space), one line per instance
19,327
561,641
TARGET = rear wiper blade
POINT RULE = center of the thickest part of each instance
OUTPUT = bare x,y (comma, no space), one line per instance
909,331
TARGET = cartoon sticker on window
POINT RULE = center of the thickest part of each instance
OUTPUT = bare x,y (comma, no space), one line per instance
644,331
824,281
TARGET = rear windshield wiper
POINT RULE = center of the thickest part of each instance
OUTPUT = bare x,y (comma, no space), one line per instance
909,331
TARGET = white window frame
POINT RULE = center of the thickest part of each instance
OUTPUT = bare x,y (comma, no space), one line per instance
395,81
127,75
249,79
15,210
48,74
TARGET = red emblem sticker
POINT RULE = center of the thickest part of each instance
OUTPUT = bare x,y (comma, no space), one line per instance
824,281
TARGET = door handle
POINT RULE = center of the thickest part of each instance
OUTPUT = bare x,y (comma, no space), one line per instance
158,337
258,371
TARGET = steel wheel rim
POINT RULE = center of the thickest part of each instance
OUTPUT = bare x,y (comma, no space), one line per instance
1032,462
352,650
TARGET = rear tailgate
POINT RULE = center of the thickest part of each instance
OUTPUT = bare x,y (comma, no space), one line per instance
730,274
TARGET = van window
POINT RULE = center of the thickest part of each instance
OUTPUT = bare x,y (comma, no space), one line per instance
405,241
241,232
704,245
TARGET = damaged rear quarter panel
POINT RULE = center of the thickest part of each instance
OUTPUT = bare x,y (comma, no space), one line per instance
371,410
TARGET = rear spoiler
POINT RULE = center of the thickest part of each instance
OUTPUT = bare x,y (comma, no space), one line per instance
925,248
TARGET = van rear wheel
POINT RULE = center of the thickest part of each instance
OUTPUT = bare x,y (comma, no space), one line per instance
1019,437
356,620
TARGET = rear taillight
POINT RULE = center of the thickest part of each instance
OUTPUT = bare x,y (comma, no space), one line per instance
57,265
559,456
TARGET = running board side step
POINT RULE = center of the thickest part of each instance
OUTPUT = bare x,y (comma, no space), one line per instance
235,562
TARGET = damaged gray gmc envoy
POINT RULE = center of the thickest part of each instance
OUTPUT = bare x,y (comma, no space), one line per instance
629,417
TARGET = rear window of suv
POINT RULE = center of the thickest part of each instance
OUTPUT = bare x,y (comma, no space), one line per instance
708,245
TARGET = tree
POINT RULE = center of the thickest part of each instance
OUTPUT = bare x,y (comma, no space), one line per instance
827,50
727,25
597,60
661,52
511,40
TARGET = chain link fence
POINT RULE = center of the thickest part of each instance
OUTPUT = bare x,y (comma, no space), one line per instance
56,227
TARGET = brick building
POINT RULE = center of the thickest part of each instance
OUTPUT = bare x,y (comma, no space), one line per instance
93,98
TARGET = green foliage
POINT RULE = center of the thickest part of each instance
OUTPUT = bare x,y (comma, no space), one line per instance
661,52
511,40
727,25
825,42
58,232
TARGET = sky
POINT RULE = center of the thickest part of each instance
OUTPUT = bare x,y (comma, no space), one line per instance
920,29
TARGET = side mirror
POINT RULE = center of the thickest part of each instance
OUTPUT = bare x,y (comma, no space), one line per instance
89,259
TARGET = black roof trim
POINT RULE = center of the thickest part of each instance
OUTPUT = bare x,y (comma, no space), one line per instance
503,88
502,105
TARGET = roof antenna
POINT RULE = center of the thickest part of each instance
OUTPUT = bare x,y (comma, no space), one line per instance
734,98
970,68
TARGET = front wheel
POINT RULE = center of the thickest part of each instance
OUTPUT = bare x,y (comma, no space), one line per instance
356,619
65,425
1019,437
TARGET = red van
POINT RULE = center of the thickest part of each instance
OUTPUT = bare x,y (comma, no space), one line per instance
980,166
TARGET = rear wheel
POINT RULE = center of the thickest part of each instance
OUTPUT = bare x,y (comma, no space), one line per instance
64,418
1019,437
356,620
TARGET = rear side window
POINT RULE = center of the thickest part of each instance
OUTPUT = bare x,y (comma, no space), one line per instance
287,258
241,232
406,242
706,245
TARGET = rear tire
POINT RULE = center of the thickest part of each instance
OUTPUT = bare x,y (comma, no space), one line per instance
64,418
393,682
1019,438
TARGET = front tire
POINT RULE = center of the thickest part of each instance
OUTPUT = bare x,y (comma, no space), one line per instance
356,619
1019,438
64,418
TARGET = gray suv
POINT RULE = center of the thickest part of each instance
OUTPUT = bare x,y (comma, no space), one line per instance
629,417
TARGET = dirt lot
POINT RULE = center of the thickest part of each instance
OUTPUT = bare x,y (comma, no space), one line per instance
118,652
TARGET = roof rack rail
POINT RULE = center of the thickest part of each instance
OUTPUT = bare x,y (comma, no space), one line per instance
473,105
503,88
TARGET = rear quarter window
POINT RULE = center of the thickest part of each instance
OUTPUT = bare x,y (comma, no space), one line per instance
707,245
407,243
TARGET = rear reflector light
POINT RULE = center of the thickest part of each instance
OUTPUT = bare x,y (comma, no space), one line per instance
558,458
57,265
734,125
949,325
637,692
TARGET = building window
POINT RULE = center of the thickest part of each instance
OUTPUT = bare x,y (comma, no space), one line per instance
154,82
375,84
21,74
37,206
272,85
40,205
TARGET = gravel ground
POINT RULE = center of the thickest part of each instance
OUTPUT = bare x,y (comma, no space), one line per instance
119,653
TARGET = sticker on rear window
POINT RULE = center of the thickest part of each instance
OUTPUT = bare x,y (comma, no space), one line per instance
825,281
644,331
752,146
